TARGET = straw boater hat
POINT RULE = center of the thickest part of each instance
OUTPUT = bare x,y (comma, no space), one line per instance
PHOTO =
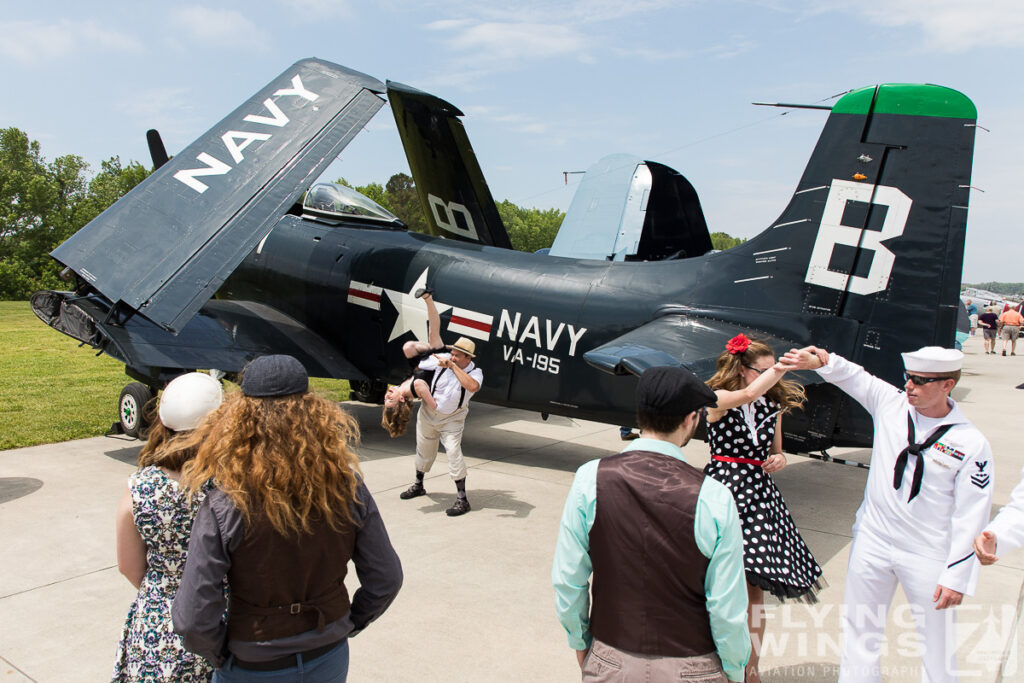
465,345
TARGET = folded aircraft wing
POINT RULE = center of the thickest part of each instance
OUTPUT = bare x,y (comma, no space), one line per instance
455,197
166,246
690,339
224,335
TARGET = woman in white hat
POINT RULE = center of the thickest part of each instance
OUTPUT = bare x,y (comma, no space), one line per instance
154,521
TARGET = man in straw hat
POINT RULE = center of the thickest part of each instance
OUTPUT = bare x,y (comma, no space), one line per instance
927,496
454,381
648,570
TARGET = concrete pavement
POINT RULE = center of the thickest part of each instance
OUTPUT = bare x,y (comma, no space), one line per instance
477,604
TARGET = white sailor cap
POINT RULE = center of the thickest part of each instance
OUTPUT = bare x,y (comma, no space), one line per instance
933,359
187,400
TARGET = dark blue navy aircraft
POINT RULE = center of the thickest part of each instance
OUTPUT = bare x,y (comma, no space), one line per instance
226,252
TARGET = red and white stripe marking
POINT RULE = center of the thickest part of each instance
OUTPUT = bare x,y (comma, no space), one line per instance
362,294
471,324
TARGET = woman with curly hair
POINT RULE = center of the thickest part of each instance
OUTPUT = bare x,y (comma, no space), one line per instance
398,399
288,511
745,436
153,522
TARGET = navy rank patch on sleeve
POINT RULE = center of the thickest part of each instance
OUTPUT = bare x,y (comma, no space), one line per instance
981,478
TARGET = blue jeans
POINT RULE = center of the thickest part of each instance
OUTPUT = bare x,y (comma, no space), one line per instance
331,667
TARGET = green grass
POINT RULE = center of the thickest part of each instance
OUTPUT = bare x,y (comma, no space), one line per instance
51,390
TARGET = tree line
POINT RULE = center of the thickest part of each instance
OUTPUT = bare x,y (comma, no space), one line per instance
1004,288
42,203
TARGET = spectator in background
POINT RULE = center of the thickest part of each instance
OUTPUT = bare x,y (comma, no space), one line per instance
989,324
154,522
289,511
972,314
1010,322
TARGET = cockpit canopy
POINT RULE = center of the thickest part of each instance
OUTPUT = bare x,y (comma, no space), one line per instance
337,202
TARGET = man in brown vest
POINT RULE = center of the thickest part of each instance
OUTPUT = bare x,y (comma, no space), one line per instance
664,545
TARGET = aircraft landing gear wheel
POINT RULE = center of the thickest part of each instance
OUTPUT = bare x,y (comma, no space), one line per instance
368,392
130,405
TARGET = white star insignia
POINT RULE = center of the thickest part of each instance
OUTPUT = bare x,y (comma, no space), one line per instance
412,312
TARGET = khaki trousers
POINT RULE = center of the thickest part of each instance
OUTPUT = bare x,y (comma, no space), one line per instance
606,664
433,427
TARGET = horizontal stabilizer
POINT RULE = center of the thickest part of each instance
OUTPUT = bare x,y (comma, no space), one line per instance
675,340
166,246
224,335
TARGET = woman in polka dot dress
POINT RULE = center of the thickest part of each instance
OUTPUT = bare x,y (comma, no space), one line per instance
745,436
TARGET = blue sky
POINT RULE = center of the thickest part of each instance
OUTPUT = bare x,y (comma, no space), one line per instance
546,86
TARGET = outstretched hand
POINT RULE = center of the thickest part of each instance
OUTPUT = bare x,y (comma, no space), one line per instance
806,358
985,548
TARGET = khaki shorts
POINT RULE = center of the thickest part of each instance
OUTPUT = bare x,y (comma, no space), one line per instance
1011,332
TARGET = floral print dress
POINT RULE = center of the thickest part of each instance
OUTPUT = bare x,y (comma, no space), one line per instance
150,650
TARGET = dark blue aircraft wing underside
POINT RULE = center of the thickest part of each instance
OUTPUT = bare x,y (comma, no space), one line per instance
166,247
676,340
224,335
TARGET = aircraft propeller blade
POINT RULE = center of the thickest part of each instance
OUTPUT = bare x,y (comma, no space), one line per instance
157,151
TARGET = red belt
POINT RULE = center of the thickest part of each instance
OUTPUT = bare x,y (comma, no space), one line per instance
745,461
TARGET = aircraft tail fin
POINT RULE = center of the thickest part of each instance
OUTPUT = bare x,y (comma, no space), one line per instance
453,192
874,233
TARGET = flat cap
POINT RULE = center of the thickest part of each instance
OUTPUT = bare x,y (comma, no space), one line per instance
933,359
269,376
669,390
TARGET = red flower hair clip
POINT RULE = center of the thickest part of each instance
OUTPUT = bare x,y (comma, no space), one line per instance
737,344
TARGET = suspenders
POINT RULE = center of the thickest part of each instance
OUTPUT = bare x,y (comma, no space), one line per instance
438,371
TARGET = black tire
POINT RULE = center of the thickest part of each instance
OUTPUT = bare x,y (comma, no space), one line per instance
368,392
131,408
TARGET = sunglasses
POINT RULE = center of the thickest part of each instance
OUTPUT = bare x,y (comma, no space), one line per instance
919,381
757,370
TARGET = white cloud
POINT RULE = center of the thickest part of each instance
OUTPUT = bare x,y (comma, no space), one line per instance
314,11
218,28
949,25
34,42
503,42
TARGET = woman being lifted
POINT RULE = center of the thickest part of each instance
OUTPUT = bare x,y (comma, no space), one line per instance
398,399
745,437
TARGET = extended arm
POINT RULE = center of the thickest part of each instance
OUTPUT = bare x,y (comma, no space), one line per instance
753,391
1006,531
131,549
862,386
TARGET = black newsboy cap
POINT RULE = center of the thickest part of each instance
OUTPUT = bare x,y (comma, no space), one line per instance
669,390
269,376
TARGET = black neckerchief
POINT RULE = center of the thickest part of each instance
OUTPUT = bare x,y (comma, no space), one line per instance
915,449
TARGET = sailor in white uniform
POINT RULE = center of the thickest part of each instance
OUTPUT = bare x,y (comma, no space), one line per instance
1006,531
928,494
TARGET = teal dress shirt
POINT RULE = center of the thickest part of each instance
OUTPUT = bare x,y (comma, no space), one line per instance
718,536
